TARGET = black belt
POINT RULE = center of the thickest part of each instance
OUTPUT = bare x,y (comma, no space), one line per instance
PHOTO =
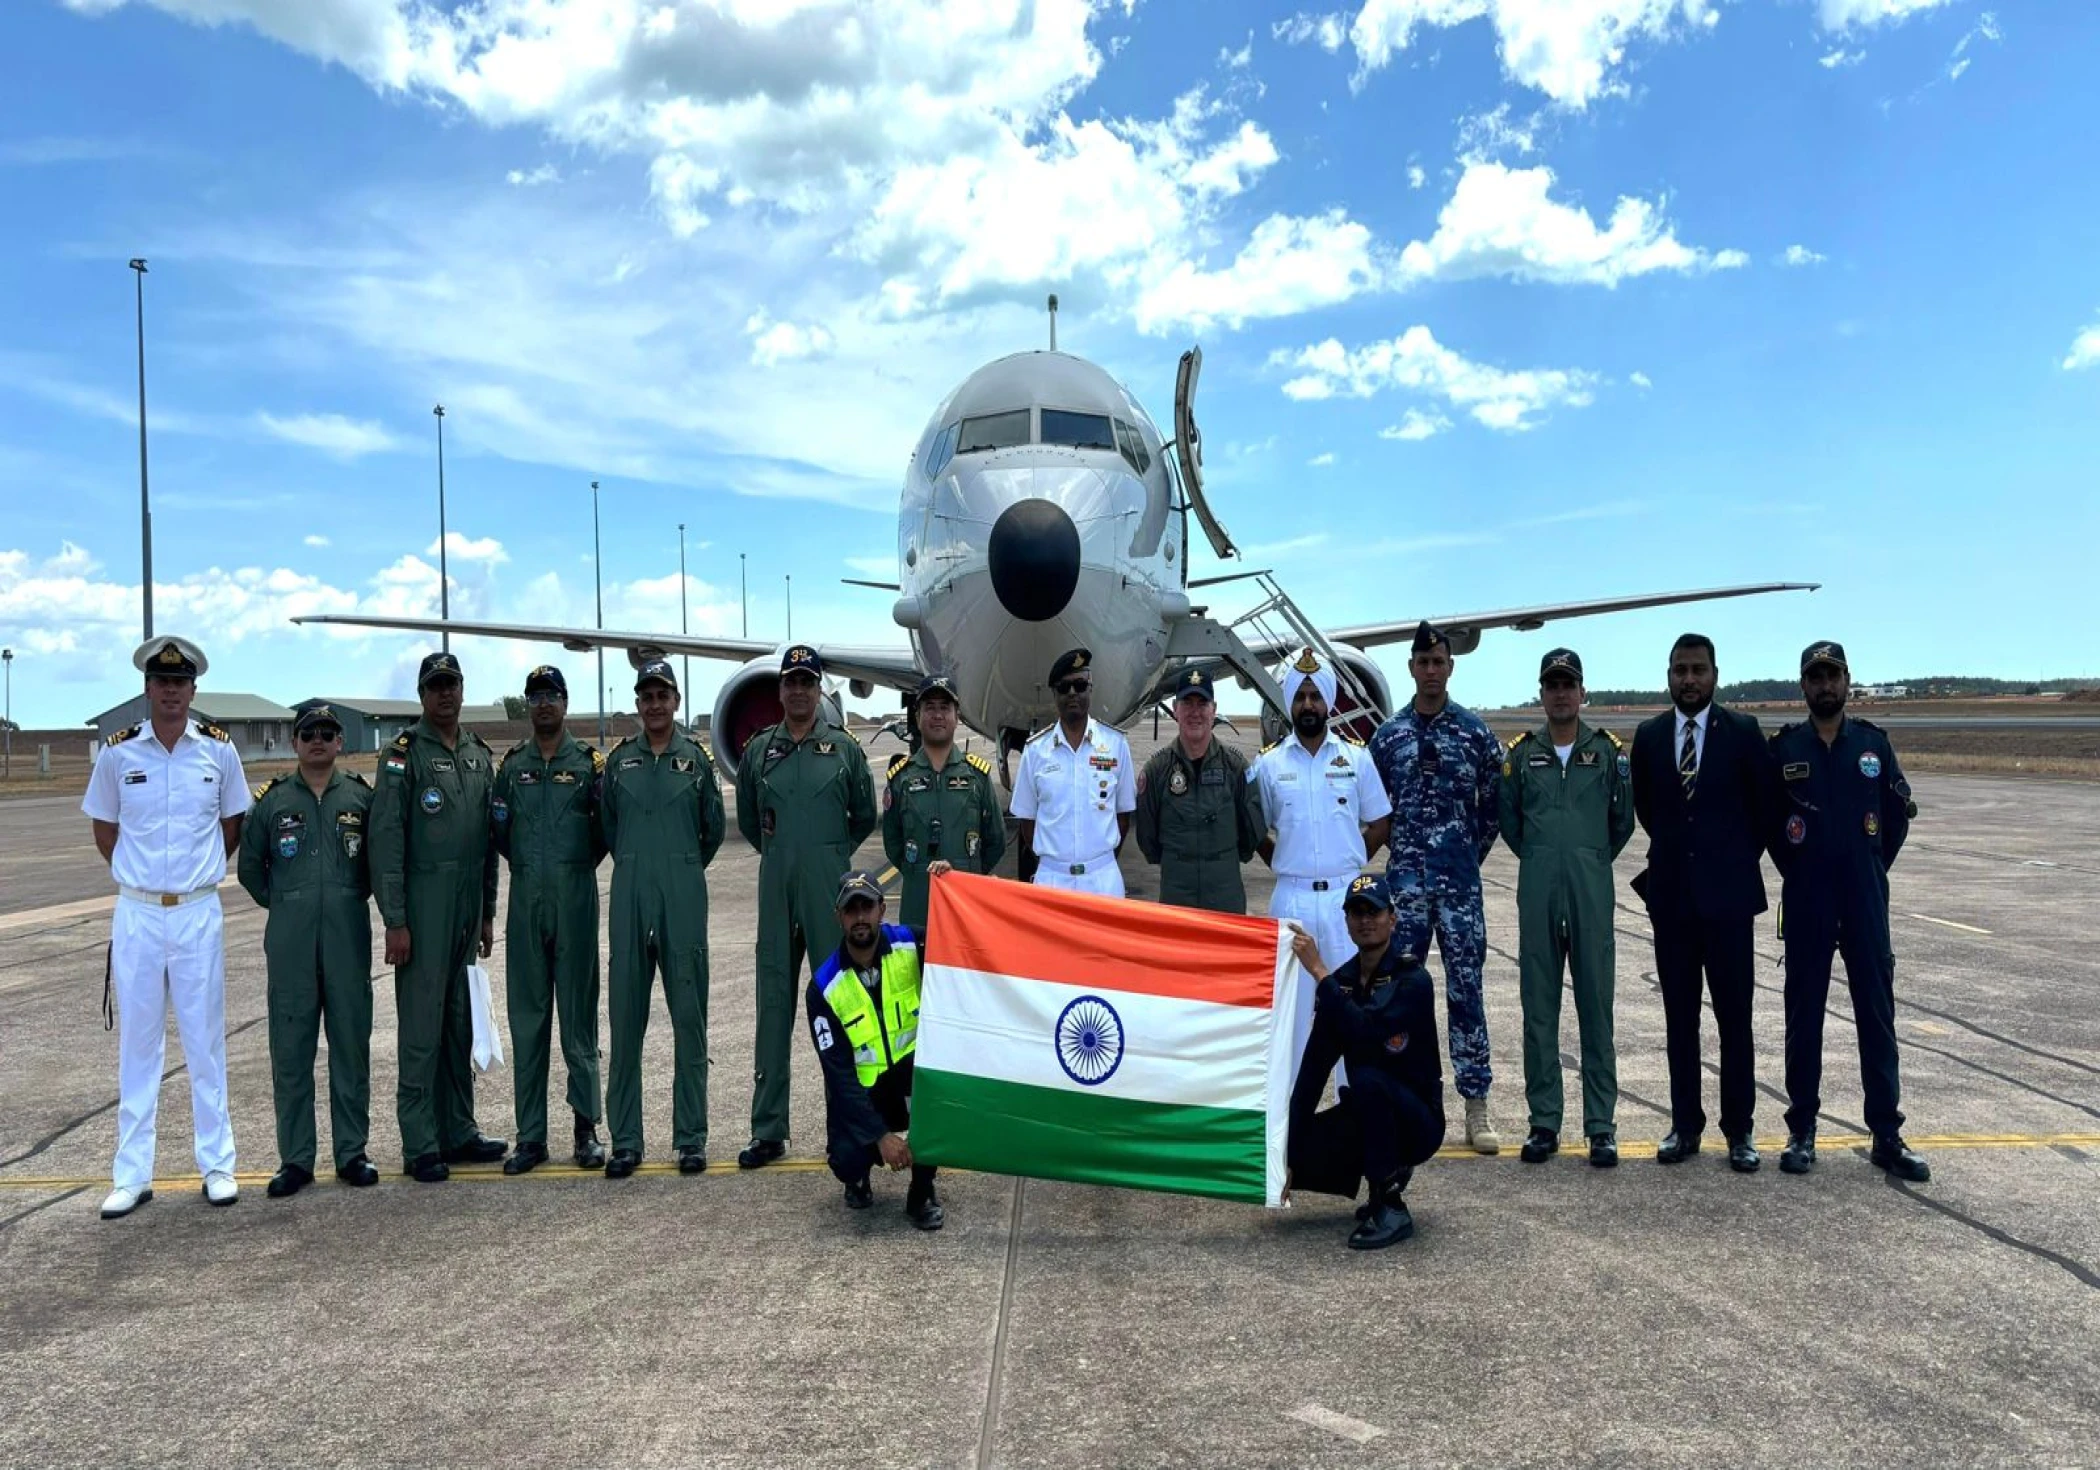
1320,885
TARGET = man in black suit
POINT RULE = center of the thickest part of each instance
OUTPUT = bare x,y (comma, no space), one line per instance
1699,792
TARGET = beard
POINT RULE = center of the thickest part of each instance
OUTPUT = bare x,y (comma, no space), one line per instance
1826,706
1691,704
1309,723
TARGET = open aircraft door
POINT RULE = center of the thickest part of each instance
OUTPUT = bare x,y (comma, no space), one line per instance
1188,452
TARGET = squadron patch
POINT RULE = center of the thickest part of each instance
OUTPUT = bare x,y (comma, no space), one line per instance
972,841
1796,829
499,810
432,800
1178,783
1870,765
1873,825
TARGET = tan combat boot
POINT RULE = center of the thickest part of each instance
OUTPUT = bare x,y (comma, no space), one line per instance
1481,1136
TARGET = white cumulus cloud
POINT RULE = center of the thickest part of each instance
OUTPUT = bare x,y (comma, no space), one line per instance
1845,15
1329,30
331,433
1321,461
546,173
1571,50
1640,380
1832,60
317,541
2085,349
1415,426
1800,255
1416,177
1415,362
1287,266
777,342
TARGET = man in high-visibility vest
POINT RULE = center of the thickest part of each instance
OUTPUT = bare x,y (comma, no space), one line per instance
863,1005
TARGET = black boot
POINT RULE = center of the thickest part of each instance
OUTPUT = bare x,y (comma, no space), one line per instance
288,1181
590,1153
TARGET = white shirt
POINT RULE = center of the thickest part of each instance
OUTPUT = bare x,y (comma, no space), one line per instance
1564,751
167,805
1319,802
1698,724
1073,793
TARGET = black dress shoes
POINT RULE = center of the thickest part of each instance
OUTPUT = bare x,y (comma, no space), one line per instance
692,1161
761,1152
528,1157
1604,1151
288,1181
590,1153
1676,1147
924,1210
1742,1154
1390,1194
1800,1154
428,1169
624,1161
859,1193
1541,1145
1893,1154
480,1149
358,1173
1388,1224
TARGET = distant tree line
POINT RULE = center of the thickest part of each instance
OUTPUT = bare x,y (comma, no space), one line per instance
1934,686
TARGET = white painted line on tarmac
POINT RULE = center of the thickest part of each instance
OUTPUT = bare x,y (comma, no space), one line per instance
2038,863
1950,924
1353,1430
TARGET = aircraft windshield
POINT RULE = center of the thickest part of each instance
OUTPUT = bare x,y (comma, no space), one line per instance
1079,430
994,431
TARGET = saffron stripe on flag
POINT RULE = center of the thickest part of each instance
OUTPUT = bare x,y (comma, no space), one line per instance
964,1122
1092,942
1005,1027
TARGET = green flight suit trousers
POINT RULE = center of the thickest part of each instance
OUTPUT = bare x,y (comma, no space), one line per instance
1564,923
552,939
341,997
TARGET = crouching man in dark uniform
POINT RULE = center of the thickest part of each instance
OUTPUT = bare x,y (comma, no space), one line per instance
863,1005
1377,1014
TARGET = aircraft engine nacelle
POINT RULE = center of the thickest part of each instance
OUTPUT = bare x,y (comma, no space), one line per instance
749,702
1349,717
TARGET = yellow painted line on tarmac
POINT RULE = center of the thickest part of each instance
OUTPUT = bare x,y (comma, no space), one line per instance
1950,924
1574,1149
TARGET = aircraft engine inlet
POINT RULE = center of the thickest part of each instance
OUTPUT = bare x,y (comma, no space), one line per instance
749,701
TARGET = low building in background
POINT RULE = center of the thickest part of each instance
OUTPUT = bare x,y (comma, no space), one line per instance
261,729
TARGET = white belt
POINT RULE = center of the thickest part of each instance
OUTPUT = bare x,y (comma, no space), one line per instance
165,900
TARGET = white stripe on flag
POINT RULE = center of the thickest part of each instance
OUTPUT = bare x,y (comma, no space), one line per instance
1291,999
1195,1053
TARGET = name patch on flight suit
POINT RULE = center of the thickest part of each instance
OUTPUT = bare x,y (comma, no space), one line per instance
134,778
1795,771
1213,776
530,778
349,826
633,762
1585,757
441,764
917,784
1539,760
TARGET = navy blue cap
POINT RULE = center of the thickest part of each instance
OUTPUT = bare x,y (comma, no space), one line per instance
1427,636
1368,888
1825,652
655,671
1194,681
315,717
858,883
801,659
547,678
941,684
438,666
1561,661
1077,661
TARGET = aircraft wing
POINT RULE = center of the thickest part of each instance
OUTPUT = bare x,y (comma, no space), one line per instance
889,667
1465,628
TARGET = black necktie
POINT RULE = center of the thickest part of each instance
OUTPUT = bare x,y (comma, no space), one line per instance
1688,758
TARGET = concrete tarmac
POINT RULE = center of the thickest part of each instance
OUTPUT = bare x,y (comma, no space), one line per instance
1544,1315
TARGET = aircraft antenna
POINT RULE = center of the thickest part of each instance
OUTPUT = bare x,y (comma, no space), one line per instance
1053,321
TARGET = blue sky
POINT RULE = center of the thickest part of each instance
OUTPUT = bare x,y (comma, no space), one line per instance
1501,304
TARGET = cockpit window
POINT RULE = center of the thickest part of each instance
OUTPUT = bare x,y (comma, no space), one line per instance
1133,447
941,450
1078,430
993,431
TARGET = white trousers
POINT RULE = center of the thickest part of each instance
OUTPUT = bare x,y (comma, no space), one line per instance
1319,913
162,959
1102,876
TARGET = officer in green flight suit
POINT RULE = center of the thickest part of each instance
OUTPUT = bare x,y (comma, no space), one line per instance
938,808
433,856
303,859
1566,812
661,813
1198,816
805,800
545,813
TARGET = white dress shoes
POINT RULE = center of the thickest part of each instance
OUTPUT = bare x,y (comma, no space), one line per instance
220,1189
120,1202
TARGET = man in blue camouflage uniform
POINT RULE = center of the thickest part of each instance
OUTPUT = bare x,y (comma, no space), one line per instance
1442,768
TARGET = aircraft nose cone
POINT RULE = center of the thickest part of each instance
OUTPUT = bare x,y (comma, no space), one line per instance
1034,556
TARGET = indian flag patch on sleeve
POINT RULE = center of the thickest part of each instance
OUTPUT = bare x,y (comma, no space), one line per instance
1068,1036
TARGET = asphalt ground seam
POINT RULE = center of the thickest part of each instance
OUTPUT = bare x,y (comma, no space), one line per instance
44,1205
988,1428
2003,1237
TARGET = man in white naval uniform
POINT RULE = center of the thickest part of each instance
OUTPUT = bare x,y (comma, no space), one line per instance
1075,790
166,799
1327,809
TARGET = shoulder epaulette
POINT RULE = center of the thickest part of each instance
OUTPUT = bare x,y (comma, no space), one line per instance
897,763
1616,742
358,777
598,759
1779,730
1274,743
1866,724
847,733
123,735
1516,740
476,739
978,762
622,744
262,788
1352,740
214,732
1042,732
403,740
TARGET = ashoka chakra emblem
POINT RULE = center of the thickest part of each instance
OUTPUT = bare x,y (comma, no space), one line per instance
1089,1040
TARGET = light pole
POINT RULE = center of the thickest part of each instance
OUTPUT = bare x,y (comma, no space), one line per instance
138,267
7,662
681,601
598,577
444,577
791,606
743,578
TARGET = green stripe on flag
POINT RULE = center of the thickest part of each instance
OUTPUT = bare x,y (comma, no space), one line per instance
965,1122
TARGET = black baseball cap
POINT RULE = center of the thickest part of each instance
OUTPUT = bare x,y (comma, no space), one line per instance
1368,890
941,684
801,659
1825,652
1561,661
1427,636
438,666
655,671
1194,681
858,883
316,717
547,679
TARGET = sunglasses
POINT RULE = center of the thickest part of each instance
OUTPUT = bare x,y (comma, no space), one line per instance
539,699
321,734
1074,686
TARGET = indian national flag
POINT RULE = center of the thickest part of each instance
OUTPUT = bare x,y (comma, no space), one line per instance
1067,1036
